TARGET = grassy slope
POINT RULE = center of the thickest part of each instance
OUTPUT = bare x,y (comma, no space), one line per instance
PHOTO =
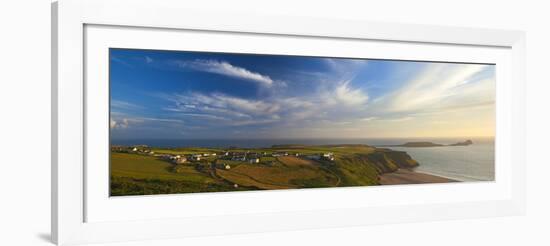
355,165
142,166
292,172
133,174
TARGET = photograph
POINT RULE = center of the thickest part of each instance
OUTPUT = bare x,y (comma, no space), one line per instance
196,121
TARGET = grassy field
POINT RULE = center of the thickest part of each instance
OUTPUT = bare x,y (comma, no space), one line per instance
134,173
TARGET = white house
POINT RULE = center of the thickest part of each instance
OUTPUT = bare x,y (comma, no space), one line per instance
196,157
329,156
180,160
276,154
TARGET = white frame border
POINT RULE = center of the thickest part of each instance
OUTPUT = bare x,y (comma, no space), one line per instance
69,18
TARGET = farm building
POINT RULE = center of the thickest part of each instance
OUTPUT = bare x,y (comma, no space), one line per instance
279,154
254,160
328,156
180,160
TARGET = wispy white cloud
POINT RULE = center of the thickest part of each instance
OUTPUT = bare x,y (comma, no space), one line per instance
438,87
118,104
123,121
227,69
368,118
347,95
344,66
120,61
340,101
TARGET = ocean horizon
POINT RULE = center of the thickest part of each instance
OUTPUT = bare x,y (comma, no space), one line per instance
266,143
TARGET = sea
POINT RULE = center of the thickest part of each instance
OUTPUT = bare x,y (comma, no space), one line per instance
474,162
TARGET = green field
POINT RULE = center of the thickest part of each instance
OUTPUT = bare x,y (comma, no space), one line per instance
141,173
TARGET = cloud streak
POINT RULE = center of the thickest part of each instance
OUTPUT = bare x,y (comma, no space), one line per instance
347,95
438,87
227,69
122,121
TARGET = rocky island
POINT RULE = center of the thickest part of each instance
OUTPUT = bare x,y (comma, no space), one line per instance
431,144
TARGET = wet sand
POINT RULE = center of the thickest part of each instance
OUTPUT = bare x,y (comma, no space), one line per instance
404,176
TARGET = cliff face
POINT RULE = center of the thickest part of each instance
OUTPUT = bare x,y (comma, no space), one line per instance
387,160
364,169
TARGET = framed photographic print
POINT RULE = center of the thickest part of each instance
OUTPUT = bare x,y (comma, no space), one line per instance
168,125
187,122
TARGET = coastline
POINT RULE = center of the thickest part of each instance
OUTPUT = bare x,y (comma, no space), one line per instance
406,176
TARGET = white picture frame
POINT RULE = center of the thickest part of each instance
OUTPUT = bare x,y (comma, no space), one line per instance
78,216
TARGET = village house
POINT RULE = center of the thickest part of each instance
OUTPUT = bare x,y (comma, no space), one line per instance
328,156
276,154
254,160
180,160
196,157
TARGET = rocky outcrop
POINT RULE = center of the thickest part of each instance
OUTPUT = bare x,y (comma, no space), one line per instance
465,143
419,144
430,144
387,160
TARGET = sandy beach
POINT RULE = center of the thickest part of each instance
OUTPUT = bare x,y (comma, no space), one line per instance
404,176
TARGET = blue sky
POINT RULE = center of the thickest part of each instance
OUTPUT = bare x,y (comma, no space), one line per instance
178,95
